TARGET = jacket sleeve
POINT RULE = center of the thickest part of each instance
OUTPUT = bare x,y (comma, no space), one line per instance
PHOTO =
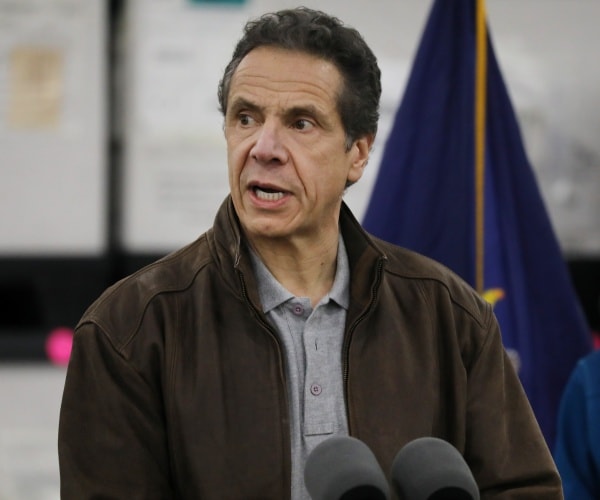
573,453
504,444
112,438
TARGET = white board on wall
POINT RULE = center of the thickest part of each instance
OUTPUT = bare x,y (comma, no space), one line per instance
175,168
175,173
53,196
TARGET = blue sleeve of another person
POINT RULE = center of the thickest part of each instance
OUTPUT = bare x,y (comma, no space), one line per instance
577,450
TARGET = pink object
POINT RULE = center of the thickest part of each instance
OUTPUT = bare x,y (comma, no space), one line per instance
58,345
596,337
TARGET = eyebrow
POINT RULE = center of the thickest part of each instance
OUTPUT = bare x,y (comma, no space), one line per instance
324,120
241,103
309,110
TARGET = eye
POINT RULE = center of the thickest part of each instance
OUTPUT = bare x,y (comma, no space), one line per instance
245,120
303,124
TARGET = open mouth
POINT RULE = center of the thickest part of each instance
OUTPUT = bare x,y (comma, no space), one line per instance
266,194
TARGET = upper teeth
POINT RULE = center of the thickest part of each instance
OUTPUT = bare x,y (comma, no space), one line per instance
269,196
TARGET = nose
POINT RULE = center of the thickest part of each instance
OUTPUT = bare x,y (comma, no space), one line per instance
269,147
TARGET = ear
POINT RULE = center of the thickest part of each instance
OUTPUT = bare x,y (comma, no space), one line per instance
359,155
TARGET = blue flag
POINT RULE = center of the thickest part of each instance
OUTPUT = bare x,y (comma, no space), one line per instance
479,211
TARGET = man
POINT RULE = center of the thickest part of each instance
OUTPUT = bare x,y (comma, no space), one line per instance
577,448
215,371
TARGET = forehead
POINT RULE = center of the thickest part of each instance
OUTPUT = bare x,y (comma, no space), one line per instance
267,73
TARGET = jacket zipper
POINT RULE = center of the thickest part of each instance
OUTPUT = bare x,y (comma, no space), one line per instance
264,324
347,340
275,339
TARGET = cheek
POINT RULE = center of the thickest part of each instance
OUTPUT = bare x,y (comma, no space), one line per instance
236,157
325,186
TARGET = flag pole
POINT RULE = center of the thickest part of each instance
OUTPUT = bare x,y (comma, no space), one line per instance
480,118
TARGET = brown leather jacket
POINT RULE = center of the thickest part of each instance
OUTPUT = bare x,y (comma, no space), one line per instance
176,385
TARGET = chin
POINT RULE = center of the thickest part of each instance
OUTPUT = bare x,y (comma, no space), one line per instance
270,233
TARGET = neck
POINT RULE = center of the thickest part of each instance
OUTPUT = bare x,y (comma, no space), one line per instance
306,270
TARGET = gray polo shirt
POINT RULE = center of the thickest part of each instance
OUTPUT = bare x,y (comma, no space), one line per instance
312,341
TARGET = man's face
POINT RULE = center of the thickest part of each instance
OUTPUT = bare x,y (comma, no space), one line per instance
286,146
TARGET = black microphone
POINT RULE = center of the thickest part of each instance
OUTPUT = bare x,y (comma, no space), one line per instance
344,468
429,468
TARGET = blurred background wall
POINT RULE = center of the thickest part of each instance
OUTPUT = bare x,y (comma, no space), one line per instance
112,154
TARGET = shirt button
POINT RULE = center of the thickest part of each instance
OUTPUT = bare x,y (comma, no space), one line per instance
315,389
298,310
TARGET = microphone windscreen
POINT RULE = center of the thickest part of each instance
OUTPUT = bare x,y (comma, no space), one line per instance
344,468
430,468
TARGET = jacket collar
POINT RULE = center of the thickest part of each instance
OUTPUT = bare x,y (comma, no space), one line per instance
365,257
